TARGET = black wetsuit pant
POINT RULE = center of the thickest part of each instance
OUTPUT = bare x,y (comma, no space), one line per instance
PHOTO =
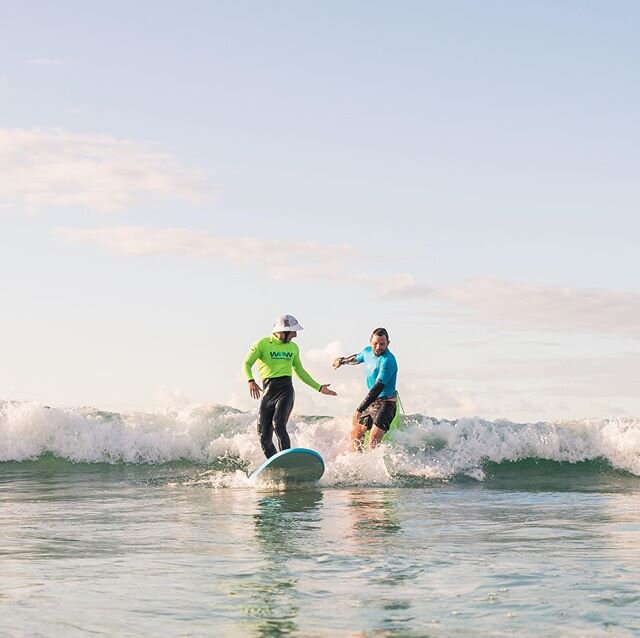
275,408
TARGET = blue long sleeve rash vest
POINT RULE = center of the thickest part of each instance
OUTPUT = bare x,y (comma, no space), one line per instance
382,369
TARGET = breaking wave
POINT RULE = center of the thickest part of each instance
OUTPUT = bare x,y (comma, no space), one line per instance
220,445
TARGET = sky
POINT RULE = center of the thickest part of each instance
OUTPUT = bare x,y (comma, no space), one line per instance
173,176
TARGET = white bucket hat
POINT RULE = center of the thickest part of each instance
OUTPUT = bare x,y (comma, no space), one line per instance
287,323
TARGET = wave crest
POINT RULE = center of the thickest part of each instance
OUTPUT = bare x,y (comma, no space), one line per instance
224,440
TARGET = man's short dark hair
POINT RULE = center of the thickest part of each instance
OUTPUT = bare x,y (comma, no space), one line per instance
380,332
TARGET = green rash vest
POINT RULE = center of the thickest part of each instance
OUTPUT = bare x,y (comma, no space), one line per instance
276,359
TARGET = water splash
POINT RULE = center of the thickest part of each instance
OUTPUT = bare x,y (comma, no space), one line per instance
222,442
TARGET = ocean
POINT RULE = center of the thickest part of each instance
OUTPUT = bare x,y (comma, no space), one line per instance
129,524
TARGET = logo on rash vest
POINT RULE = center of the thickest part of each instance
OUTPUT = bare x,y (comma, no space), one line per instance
281,355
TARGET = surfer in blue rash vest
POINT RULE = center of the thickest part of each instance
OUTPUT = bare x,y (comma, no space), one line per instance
377,409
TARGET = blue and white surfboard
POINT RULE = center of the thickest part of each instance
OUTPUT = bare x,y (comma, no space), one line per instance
296,465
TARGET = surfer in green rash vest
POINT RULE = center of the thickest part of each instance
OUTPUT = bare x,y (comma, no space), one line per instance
378,408
277,357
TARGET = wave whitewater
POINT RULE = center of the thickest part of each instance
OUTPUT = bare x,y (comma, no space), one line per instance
222,442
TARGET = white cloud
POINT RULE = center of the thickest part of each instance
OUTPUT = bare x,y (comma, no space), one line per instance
326,355
527,306
441,400
280,259
450,401
523,306
622,366
544,307
402,286
171,398
44,169
42,61
531,306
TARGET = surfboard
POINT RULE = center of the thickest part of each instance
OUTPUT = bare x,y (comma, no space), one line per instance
296,465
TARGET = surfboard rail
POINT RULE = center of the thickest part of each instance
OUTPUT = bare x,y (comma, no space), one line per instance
295,465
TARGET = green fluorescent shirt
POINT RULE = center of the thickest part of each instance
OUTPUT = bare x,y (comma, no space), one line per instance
276,359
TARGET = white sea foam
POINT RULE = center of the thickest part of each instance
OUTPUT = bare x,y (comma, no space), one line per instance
224,442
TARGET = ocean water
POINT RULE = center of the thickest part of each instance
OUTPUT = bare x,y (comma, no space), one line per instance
145,524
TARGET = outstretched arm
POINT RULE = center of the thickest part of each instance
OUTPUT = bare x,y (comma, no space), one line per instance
325,389
351,360
303,375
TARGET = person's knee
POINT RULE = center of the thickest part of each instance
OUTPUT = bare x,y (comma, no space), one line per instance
358,431
376,436
282,434
280,429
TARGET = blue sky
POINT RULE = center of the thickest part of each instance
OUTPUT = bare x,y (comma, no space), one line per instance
176,175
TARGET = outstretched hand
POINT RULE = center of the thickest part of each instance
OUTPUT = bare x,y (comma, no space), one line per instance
337,363
324,389
254,390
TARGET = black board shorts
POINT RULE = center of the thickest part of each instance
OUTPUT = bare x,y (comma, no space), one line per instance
380,413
